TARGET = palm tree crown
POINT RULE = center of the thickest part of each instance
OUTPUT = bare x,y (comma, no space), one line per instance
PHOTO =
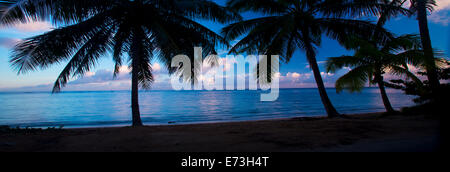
141,29
371,62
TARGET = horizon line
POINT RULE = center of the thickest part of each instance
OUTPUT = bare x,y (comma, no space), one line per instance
150,90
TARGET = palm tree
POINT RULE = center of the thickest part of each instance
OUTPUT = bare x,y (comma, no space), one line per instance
421,8
141,29
288,25
371,62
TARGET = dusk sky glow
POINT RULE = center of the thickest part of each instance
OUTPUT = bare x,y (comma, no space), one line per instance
296,74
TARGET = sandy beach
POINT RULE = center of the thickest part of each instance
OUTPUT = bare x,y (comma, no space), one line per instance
356,133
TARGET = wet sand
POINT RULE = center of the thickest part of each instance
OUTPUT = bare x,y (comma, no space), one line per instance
356,133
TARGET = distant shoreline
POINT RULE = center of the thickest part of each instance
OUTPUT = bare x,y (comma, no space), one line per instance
364,132
87,91
172,123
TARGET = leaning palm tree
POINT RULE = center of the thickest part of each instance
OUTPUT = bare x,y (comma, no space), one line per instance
288,25
371,62
135,32
421,9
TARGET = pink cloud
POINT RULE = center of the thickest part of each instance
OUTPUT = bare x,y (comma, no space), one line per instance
443,5
103,79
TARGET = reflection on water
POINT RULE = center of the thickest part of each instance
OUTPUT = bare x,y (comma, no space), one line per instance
84,109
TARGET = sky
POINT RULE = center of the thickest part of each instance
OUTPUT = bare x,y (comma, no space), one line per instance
295,74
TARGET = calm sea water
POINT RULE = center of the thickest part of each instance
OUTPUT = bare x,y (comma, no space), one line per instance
93,109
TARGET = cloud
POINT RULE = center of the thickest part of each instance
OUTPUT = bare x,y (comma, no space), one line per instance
8,42
104,78
441,15
301,80
443,5
307,80
411,68
98,77
156,67
296,76
33,27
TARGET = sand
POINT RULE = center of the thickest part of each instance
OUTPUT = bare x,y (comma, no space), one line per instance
358,133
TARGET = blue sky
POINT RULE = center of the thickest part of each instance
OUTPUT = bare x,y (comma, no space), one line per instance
296,74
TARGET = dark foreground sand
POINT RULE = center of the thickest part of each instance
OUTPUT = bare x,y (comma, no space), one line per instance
369,132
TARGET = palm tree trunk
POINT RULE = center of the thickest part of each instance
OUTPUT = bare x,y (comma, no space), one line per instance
387,103
427,45
136,114
311,55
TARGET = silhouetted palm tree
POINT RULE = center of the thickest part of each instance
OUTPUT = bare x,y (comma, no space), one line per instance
142,29
421,9
289,25
371,62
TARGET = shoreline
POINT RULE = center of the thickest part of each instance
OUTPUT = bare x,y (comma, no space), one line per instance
360,132
128,123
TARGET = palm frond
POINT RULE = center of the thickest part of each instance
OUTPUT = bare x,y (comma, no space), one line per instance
400,71
260,37
403,42
121,45
429,5
238,29
204,9
141,53
413,57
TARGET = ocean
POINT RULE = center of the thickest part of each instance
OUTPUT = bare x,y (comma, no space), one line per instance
112,108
